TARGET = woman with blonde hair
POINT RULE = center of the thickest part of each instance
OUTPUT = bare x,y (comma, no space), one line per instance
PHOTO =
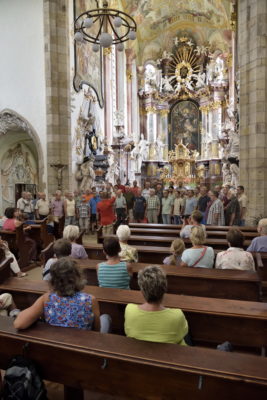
71,233
198,255
177,248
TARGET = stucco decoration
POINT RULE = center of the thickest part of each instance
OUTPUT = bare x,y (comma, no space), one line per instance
9,121
18,166
12,121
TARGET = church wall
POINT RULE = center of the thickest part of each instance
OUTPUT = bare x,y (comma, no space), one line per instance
22,68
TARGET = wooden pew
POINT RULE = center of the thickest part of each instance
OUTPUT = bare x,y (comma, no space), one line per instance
178,227
211,321
171,232
38,232
17,245
146,254
224,284
147,240
134,369
5,271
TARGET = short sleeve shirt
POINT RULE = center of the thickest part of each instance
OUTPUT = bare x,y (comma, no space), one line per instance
139,205
190,256
190,205
167,204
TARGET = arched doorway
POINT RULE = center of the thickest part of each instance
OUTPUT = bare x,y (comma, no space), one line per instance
21,157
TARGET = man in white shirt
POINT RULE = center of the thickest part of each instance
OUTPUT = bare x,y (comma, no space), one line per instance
146,190
21,201
42,207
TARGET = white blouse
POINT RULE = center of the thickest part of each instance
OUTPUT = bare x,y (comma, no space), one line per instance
235,258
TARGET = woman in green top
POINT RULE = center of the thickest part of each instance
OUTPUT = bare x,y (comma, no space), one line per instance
151,321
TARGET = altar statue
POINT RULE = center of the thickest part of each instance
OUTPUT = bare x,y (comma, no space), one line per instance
159,147
166,84
143,148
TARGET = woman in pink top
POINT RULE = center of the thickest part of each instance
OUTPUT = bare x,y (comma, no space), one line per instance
11,223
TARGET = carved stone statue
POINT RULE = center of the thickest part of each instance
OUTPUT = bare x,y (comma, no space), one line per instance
135,157
227,177
235,175
88,174
166,84
143,149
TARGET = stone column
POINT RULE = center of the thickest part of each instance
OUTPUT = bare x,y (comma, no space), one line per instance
252,46
57,70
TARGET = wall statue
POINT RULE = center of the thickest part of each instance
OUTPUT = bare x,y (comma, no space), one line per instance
233,146
88,174
235,175
113,170
227,177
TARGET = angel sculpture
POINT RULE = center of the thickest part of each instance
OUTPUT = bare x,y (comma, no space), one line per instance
166,84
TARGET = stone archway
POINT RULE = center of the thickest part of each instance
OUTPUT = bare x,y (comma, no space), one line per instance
21,156
9,121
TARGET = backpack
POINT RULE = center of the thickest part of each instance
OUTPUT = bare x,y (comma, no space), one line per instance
22,381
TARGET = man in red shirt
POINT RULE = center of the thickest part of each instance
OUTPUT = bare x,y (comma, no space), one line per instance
106,214
134,188
120,186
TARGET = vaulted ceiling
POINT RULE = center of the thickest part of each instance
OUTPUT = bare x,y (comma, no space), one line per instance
159,21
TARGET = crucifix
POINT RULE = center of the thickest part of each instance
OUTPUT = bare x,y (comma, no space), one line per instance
59,169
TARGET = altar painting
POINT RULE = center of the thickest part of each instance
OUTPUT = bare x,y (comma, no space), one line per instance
184,126
88,64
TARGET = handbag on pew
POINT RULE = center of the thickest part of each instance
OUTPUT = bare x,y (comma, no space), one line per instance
200,258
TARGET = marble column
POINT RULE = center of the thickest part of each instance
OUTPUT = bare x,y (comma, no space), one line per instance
252,47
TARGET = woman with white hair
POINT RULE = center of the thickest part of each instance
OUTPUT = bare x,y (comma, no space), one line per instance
199,255
259,244
128,253
71,233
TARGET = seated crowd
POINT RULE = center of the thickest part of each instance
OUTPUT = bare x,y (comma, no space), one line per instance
67,304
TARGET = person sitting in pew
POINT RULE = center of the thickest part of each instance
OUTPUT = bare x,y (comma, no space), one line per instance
61,248
199,255
14,220
235,257
7,306
113,273
71,233
14,266
177,248
127,253
65,304
151,321
259,244
194,220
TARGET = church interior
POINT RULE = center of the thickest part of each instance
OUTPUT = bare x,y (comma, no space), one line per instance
133,139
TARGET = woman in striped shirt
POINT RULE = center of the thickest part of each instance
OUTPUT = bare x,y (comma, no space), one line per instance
113,273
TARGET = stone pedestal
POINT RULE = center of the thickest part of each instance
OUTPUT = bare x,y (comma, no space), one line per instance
252,47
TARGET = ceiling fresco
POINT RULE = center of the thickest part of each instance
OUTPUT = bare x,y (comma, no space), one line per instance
159,21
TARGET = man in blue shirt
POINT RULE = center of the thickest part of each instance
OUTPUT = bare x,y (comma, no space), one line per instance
93,203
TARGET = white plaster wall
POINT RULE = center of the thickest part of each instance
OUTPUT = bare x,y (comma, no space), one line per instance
22,63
